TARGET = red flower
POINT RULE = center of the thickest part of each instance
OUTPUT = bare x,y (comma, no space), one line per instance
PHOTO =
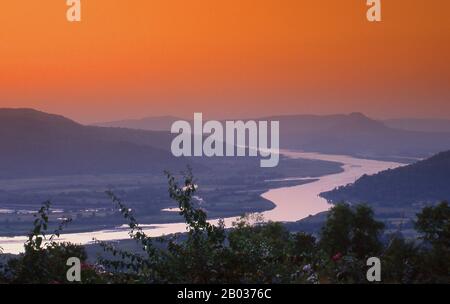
85,266
337,257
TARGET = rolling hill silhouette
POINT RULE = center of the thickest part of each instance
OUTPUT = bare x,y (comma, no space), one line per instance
357,135
426,181
157,123
417,124
35,144
353,134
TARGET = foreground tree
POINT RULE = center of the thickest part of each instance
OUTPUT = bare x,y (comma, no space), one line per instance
351,231
44,259
433,225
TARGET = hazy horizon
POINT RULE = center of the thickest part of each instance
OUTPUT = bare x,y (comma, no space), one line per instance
190,116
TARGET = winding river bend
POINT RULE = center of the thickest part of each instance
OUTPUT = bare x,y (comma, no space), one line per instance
292,203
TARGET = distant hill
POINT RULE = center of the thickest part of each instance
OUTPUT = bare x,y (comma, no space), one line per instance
36,144
352,134
417,124
424,181
158,123
357,135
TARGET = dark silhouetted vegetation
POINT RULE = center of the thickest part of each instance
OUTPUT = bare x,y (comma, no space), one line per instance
252,251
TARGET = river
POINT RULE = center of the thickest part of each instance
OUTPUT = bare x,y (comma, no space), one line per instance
292,203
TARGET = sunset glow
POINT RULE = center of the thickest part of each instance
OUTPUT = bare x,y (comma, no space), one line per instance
233,58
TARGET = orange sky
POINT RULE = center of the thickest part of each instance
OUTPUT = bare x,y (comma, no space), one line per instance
225,58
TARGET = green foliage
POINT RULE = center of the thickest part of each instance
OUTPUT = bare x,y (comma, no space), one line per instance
348,238
351,231
402,261
433,223
44,260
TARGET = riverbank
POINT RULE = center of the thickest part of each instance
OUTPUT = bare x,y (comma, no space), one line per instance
292,203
